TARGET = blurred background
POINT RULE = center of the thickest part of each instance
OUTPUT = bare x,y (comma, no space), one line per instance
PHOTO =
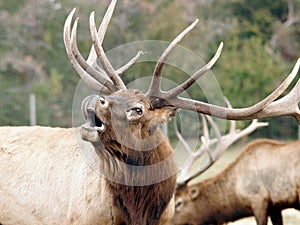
261,37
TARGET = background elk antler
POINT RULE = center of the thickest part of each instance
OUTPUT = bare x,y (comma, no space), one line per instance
107,80
219,144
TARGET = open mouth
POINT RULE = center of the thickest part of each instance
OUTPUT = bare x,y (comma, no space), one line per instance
90,131
94,121
94,126
88,110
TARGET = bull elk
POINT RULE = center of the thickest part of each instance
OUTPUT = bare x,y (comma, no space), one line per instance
138,173
261,182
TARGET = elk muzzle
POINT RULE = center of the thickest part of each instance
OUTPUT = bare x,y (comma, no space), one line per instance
94,125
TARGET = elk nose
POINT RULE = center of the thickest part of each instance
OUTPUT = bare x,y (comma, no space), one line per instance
88,104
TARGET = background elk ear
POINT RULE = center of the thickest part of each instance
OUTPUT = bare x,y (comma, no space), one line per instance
162,115
178,203
193,192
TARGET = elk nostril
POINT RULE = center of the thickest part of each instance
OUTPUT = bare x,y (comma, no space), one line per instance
90,109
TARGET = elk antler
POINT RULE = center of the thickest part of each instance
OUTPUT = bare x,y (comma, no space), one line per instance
221,143
108,80
268,107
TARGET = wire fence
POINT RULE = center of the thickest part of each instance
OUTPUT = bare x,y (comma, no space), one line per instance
14,110
282,128
25,109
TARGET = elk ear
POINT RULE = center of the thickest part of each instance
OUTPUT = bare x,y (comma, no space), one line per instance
161,115
168,113
193,192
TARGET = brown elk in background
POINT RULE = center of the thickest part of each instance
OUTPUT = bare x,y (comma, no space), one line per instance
261,182
123,128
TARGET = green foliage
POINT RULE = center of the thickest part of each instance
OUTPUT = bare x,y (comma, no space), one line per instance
12,6
247,71
247,9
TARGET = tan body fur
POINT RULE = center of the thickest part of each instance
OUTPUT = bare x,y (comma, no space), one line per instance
262,181
44,179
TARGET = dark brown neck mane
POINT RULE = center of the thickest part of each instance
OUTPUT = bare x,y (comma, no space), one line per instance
124,169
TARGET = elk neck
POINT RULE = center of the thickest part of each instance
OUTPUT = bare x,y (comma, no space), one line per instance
218,197
124,162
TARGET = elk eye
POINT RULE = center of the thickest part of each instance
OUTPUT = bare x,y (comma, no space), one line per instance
102,101
178,204
135,112
138,110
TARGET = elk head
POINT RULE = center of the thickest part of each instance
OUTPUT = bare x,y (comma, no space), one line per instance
127,115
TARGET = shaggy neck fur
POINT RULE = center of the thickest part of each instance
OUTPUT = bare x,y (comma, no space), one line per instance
124,168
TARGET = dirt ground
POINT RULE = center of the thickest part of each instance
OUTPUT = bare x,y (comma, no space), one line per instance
290,216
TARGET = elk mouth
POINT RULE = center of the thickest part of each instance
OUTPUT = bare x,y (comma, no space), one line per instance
94,121
94,126
91,130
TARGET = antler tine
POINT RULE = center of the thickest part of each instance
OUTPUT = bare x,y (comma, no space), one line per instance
129,63
204,149
92,57
102,30
154,88
101,54
90,81
100,75
180,138
287,105
194,155
205,127
252,127
186,84
232,122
